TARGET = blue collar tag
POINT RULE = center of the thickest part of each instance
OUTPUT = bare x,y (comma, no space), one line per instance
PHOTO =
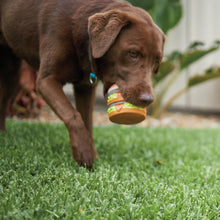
93,78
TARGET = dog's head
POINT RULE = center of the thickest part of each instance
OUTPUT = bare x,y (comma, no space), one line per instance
127,48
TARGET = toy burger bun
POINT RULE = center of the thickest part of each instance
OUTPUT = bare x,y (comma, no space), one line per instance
122,112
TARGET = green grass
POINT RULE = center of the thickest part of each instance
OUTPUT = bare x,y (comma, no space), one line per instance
142,173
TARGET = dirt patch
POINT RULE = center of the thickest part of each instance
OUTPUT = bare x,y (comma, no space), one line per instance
167,120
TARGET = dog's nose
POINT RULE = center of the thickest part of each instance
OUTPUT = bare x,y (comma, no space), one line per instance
146,99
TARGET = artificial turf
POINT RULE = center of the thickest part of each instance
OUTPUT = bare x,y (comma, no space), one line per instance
142,173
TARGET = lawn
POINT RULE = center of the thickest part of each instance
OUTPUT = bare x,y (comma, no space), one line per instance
142,173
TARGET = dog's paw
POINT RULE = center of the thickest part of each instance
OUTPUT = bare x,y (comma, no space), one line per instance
83,150
83,156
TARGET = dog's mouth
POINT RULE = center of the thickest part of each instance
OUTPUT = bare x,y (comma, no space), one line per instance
134,96
107,86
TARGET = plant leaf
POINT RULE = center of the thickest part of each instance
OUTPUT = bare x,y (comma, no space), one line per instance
194,55
145,4
167,13
195,45
211,73
166,67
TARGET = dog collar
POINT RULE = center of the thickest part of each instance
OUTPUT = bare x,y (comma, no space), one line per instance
92,76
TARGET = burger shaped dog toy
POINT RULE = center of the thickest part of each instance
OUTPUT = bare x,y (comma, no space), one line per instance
122,112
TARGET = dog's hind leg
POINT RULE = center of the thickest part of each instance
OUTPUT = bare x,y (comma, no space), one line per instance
9,78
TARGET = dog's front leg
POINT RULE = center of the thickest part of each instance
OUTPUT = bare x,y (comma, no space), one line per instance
85,100
80,138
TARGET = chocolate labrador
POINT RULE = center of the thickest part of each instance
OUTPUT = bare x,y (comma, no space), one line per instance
67,40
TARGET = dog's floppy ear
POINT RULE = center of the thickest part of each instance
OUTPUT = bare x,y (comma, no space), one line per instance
103,29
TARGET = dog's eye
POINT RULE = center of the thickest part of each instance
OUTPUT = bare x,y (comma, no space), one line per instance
133,54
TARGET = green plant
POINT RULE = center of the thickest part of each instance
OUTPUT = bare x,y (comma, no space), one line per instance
174,65
165,13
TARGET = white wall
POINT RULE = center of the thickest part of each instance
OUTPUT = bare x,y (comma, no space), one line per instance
201,22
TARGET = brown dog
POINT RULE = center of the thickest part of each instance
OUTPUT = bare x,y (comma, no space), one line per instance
67,39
